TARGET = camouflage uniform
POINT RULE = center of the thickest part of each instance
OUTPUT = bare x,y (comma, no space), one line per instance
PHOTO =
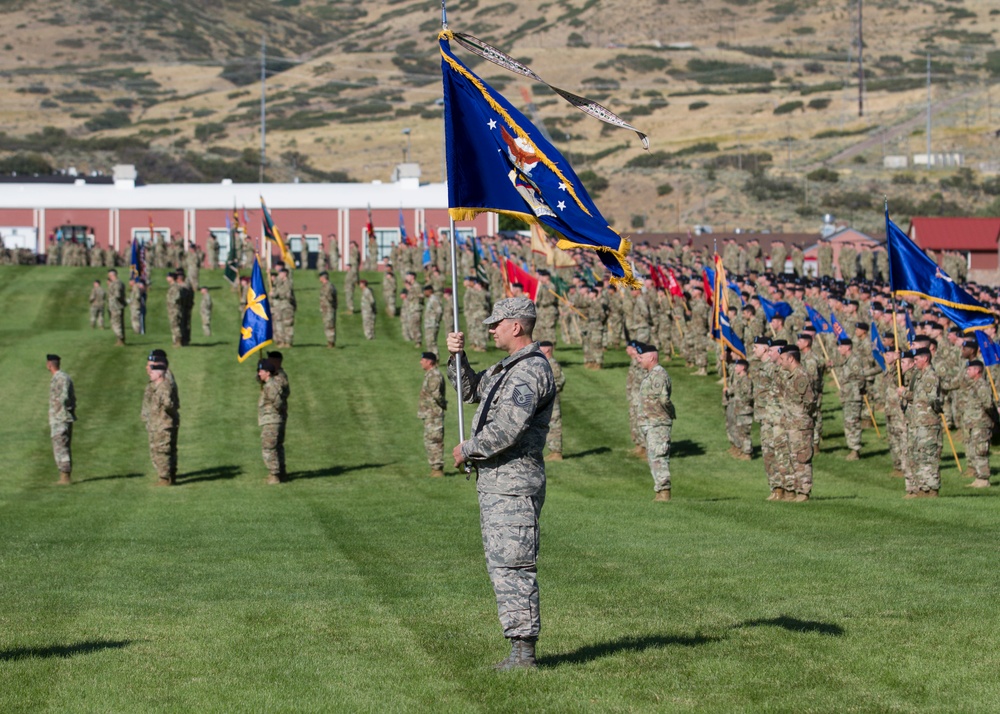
351,278
174,311
161,413
697,329
506,448
389,293
554,441
853,373
547,310
283,306
739,412
368,312
593,337
477,309
433,313
798,401
824,259
641,323
137,308
413,308
655,417
977,424
272,414
632,383
895,419
922,404
96,299
328,311
187,307
62,414
206,314
116,308
431,408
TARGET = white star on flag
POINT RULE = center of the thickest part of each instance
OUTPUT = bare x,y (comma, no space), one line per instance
492,124
562,186
561,205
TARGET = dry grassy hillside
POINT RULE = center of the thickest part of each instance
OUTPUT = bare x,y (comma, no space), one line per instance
723,87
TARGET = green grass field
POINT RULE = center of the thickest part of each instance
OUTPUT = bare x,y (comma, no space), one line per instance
361,586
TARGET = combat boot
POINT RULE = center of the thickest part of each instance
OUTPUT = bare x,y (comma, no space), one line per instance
853,456
911,494
663,495
437,473
789,495
164,482
801,498
744,457
701,372
273,479
64,479
929,494
522,655
777,494
554,456
979,483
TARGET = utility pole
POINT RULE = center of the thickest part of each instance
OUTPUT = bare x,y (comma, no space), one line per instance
928,111
861,65
263,121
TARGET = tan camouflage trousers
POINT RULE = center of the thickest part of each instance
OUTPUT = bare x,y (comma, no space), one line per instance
613,334
852,424
795,459
368,323
895,426
509,527
818,421
272,448
175,328
163,452
924,455
431,333
206,324
135,315
284,325
657,441
62,446
411,327
118,324
478,333
977,450
593,346
554,440
350,282
330,328
769,436
545,326
97,317
434,441
739,428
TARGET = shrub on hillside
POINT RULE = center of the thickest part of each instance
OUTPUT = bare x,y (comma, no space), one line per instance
25,164
109,119
823,174
788,107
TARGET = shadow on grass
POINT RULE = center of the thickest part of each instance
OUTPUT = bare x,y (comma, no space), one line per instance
625,644
215,473
589,452
833,498
686,447
89,647
793,624
112,477
332,471
205,344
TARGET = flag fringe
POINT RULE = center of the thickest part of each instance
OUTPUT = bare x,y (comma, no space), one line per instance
258,348
948,303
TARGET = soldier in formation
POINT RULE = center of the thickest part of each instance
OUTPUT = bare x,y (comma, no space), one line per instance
283,306
161,414
976,416
921,400
554,441
116,306
96,300
205,309
655,417
433,313
368,310
431,409
738,401
328,308
272,415
62,414
137,306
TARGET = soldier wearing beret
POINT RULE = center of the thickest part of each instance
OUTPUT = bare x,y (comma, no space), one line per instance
431,408
515,398
798,405
161,414
62,414
655,417
853,371
272,414
977,420
921,402
738,401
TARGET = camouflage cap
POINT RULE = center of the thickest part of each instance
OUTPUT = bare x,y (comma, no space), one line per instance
511,309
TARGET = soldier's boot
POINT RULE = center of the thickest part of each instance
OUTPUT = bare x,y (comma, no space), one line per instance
65,480
663,495
929,494
164,482
979,483
777,494
853,456
554,456
897,473
801,498
911,494
789,495
273,479
437,473
744,457
701,372
522,655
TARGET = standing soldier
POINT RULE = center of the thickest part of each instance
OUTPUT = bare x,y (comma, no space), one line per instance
413,308
96,299
778,256
174,308
272,414
284,304
328,308
212,251
116,306
848,260
206,311
186,304
333,254
62,414
554,441
738,400
895,420
798,261
389,291
368,310
547,308
655,416
921,401
137,306
798,403
431,409
976,418
161,413
824,259
192,267
593,335
478,310
853,373
351,277
697,329
639,320
433,312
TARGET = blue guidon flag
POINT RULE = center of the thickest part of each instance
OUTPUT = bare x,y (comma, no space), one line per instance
912,273
499,162
819,322
257,329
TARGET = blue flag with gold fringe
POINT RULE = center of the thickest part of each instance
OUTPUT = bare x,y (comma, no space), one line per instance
912,273
499,162
257,330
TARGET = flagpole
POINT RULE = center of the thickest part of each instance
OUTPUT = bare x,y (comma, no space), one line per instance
892,296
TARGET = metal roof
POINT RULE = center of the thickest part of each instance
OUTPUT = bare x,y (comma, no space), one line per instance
974,234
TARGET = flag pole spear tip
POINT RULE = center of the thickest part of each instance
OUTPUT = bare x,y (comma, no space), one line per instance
444,15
